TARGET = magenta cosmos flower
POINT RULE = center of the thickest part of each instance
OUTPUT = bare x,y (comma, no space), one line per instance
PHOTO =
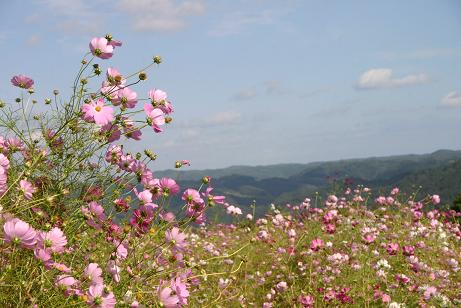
19,232
54,240
22,81
100,48
97,112
27,189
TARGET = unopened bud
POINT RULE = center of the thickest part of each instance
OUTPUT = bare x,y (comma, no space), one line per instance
206,179
30,90
83,81
142,76
47,101
157,59
178,164
17,100
55,92
84,62
2,104
168,119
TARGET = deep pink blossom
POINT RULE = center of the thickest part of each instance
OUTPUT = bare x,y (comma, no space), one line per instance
22,81
316,244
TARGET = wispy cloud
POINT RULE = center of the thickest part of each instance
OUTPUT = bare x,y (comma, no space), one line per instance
383,78
421,54
274,86
452,99
76,16
222,118
245,94
239,21
161,15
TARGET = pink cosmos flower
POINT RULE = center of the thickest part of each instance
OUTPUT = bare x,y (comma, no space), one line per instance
114,77
130,130
435,199
316,244
168,297
159,99
99,298
22,81
306,301
65,280
156,116
176,237
191,196
99,47
180,288
168,186
125,97
4,163
392,248
54,240
27,189
114,270
212,199
111,131
93,273
97,112
19,232
42,254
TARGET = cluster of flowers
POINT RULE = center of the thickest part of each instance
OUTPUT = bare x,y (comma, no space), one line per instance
341,253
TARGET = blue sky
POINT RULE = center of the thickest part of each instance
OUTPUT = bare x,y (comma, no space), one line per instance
259,82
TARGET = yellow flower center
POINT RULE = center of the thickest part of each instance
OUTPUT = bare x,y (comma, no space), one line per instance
97,108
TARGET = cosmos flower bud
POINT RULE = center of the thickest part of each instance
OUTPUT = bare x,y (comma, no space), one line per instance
206,179
30,90
168,119
47,101
157,59
55,92
142,76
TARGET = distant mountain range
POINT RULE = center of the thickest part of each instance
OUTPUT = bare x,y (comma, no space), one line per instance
438,172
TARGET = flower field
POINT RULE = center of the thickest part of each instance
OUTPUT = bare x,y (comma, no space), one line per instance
86,223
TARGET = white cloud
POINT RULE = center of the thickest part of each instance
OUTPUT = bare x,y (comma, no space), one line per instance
452,99
161,15
383,78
